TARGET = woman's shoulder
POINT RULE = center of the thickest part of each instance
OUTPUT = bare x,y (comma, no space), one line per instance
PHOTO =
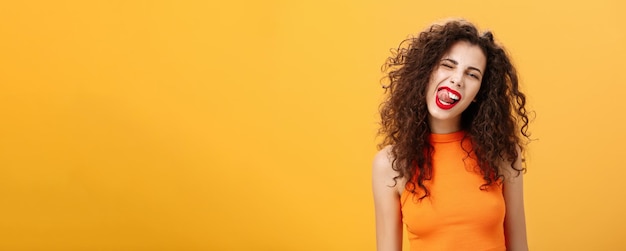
383,171
383,159
513,171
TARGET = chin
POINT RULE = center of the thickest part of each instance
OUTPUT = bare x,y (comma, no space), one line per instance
442,115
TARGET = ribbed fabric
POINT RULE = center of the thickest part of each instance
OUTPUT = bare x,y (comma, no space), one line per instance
457,215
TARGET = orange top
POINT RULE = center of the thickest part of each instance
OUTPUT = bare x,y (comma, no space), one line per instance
457,215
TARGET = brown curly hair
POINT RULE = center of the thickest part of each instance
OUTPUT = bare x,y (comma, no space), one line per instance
496,124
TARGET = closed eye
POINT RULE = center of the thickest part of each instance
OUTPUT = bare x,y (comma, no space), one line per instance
448,63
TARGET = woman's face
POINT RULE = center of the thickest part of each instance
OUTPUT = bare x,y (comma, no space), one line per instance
453,85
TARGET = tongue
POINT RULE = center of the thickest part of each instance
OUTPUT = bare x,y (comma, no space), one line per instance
444,96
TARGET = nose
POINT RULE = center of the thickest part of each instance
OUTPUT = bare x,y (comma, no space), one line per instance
456,78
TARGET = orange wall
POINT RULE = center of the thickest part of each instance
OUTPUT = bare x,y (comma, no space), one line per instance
250,125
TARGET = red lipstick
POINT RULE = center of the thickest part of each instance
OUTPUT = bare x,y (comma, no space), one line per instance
447,98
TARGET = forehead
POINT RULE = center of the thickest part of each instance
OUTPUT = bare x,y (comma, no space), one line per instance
467,55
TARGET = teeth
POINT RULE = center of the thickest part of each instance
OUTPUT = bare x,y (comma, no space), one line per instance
452,96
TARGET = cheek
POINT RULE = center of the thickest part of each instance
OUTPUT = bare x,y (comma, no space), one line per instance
435,79
432,85
473,91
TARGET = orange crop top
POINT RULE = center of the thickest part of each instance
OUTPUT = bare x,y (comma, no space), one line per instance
457,215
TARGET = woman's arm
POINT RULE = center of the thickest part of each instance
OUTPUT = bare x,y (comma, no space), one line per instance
515,219
386,203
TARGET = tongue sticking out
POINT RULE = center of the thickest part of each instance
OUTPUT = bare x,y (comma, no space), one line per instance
444,96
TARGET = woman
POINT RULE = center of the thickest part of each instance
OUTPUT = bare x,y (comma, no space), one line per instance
454,127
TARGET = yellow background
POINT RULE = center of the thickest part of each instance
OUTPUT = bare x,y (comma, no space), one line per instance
250,125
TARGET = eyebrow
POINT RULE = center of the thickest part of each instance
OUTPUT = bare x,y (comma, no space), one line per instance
457,63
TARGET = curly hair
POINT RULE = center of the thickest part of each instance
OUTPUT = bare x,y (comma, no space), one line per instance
496,124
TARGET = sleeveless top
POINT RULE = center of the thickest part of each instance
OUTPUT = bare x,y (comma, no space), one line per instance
457,215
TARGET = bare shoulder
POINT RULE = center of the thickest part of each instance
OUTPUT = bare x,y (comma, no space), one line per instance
383,159
382,170
511,175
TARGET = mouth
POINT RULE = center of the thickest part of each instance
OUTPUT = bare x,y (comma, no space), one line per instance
447,98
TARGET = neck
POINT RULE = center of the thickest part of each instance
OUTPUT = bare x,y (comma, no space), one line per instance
444,126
